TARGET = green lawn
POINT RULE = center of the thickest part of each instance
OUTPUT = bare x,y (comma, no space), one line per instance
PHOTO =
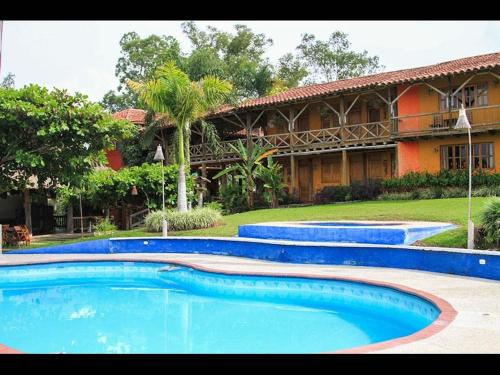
448,210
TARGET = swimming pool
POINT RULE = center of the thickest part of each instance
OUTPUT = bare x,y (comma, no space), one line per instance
138,307
366,232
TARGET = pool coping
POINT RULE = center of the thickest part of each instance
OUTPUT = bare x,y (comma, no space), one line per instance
446,316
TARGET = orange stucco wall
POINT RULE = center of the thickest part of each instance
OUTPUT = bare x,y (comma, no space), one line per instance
408,104
408,157
115,160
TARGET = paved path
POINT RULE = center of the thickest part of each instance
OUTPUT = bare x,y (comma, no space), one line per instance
476,328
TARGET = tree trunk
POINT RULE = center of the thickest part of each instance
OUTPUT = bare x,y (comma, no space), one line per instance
250,200
274,200
69,219
27,210
181,185
181,190
200,199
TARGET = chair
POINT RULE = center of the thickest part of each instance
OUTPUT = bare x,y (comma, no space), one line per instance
5,234
22,234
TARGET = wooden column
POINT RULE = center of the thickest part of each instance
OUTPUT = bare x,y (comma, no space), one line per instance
293,175
345,169
342,119
248,128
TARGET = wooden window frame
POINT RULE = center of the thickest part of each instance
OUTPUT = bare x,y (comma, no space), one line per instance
458,159
460,96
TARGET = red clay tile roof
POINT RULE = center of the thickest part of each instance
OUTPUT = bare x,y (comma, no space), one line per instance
463,65
135,116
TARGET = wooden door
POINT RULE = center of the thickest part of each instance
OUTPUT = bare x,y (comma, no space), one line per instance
379,165
305,180
357,168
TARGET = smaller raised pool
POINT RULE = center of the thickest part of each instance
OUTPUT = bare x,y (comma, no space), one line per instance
372,232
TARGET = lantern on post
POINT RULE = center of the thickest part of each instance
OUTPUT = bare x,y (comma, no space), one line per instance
159,157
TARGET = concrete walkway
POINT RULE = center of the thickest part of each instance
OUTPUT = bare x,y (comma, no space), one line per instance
476,328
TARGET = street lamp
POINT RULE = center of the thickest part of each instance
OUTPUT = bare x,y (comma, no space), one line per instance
463,123
159,157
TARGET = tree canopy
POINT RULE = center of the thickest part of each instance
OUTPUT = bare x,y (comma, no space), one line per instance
333,59
238,57
52,135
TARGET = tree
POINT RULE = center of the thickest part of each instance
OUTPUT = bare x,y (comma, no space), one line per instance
238,58
272,177
248,169
182,102
50,138
114,102
8,81
290,71
333,59
139,59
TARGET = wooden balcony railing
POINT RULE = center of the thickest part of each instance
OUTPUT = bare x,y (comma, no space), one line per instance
480,118
304,140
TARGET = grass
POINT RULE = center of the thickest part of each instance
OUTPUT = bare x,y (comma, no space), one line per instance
448,210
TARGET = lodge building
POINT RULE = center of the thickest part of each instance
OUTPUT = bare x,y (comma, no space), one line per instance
362,129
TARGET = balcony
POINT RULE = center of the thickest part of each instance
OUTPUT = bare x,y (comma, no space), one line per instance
303,141
425,125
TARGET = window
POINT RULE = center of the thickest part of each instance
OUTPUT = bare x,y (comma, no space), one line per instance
456,156
475,95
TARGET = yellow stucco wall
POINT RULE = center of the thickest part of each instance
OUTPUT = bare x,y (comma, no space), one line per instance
430,150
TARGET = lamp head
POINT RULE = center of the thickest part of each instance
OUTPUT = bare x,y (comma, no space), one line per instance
159,154
463,121
134,190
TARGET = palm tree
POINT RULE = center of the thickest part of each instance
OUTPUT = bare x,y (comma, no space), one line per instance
247,170
272,177
182,102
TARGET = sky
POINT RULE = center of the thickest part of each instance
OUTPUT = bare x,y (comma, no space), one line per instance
81,55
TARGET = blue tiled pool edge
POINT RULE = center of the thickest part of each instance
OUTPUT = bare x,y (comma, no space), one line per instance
365,234
483,264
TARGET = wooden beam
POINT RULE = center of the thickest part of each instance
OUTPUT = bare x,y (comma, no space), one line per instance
463,84
258,117
436,89
241,121
333,109
384,99
400,95
352,105
292,174
282,114
232,122
344,178
302,110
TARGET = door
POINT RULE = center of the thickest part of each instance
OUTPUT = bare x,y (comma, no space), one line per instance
305,180
357,168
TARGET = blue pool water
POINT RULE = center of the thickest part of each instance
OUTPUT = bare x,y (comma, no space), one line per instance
126,307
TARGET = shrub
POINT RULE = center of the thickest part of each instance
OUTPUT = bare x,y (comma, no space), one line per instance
454,192
104,226
363,192
217,206
395,196
486,191
490,221
445,178
332,194
233,196
195,219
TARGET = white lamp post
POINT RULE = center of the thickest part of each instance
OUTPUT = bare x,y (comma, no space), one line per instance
463,123
159,157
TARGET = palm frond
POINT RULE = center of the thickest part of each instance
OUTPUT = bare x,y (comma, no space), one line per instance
211,136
